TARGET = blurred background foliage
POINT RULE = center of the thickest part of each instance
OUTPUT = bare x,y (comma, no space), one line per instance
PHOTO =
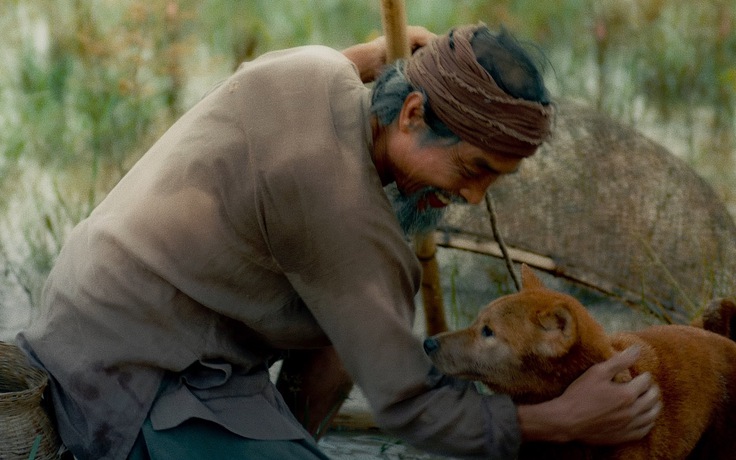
86,86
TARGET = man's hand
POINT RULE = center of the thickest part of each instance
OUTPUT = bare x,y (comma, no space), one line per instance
370,57
595,409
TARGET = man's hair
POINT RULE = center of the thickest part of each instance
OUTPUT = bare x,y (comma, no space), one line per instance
510,65
389,92
503,57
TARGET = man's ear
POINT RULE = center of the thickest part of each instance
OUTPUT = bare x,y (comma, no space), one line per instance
412,112
557,329
528,279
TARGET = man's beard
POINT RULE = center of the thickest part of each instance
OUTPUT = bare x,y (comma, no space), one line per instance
412,219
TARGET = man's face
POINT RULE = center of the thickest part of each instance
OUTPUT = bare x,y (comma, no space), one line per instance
430,176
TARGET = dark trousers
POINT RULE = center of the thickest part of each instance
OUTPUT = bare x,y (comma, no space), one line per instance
198,439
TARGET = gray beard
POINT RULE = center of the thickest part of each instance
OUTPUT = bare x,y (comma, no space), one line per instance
412,220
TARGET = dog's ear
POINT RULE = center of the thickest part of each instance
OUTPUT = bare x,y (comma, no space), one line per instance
528,279
558,330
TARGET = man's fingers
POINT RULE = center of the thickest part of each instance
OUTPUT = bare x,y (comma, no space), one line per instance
639,433
645,409
643,424
621,361
644,392
648,405
653,413
419,37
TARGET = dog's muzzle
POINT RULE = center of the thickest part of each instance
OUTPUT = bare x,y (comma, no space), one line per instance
431,345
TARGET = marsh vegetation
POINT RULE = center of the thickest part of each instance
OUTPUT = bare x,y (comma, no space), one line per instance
87,85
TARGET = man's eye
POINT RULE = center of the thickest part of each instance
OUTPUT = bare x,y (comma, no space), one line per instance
468,170
486,332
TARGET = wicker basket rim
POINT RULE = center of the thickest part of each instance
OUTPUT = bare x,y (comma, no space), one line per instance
15,364
22,417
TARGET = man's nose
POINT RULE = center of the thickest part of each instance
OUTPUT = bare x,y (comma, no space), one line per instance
475,191
472,195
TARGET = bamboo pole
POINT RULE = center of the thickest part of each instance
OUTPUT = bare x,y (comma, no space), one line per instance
393,17
434,310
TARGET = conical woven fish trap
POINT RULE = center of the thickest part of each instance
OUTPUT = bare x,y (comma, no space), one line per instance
25,428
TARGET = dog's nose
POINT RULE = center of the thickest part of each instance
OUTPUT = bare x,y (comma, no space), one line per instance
431,345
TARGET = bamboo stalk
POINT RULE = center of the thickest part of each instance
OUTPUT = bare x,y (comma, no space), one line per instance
393,18
434,311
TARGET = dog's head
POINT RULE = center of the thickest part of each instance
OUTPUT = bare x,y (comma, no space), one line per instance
529,345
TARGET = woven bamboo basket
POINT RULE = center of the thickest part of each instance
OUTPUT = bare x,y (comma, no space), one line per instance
25,428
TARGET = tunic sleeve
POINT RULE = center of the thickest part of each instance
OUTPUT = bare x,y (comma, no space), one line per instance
332,231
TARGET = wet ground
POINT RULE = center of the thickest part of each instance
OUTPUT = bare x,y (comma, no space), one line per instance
354,436
369,445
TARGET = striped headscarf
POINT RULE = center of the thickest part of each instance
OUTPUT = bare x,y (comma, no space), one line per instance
468,100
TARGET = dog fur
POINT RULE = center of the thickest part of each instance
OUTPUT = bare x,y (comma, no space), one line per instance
719,316
531,345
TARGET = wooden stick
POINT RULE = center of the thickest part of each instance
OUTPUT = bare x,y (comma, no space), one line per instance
393,17
499,239
435,320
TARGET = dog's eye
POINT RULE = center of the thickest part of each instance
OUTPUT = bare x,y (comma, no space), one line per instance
486,331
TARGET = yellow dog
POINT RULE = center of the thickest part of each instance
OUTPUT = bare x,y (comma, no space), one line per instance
531,345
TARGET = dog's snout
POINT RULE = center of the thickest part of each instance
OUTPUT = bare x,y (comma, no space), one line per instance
431,345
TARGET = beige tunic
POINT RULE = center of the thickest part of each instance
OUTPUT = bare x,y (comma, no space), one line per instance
256,224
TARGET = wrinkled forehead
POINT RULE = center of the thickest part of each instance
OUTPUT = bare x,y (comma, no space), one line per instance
504,164
491,160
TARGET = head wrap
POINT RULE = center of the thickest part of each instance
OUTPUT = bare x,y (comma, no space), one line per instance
467,99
